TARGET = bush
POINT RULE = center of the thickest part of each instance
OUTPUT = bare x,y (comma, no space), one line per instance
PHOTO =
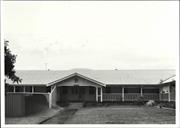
140,101
84,103
167,104
90,104
63,104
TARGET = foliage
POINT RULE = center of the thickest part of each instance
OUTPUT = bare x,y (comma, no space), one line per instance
63,103
167,104
140,100
10,60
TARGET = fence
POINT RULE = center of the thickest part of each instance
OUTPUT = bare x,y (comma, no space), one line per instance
14,105
129,96
112,97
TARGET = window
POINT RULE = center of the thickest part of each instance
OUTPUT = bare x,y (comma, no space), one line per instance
74,90
82,90
64,90
150,90
108,89
132,90
19,88
9,88
99,91
92,90
40,89
48,89
28,88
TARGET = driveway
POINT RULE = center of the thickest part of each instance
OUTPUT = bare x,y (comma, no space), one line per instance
115,115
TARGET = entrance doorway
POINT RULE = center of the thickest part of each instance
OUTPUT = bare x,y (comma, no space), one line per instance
79,92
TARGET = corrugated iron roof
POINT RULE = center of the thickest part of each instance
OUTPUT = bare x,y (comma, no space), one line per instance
170,79
103,76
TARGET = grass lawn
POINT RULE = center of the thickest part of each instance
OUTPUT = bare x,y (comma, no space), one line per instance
122,115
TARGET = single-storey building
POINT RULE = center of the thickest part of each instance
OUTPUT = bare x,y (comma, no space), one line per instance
79,85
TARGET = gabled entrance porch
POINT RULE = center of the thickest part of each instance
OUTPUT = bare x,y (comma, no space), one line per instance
78,88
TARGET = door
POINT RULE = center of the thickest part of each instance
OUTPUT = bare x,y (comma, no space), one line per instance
81,93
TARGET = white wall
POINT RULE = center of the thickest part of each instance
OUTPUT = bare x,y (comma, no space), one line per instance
54,97
165,89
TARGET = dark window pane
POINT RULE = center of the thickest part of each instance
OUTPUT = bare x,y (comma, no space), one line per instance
92,90
132,90
19,88
150,90
99,91
64,90
48,89
108,89
82,90
40,89
74,90
28,88
9,88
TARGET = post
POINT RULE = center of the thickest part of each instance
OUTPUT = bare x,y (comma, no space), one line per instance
169,95
51,89
14,89
141,91
97,94
24,89
159,94
50,101
32,89
122,93
101,95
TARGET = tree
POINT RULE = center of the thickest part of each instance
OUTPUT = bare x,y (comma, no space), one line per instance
10,60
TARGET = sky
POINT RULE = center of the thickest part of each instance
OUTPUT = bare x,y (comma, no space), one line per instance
61,35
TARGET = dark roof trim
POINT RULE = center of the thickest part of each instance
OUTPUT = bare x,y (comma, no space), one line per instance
76,74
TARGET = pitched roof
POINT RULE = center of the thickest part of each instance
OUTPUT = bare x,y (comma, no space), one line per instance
79,75
103,76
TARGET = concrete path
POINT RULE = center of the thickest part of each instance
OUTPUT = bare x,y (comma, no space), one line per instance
34,118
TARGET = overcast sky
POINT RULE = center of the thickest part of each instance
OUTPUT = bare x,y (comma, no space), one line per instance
95,35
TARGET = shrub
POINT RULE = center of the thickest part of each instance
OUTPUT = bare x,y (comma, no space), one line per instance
167,104
140,101
84,104
63,104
